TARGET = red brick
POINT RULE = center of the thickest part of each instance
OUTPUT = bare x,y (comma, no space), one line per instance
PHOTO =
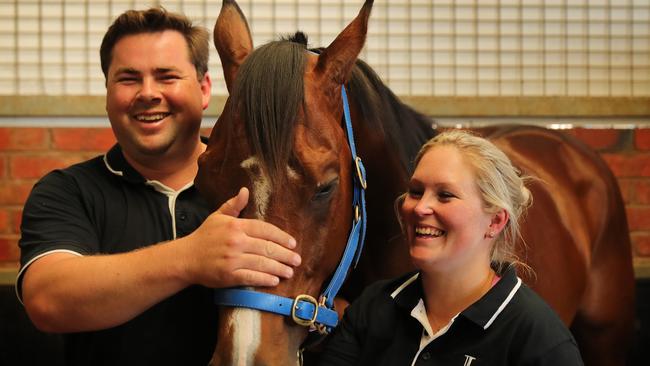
628,165
17,216
641,244
3,166
35,166
4,221
597,138
21,139
641,192
9,248
80,139
642,138
638,217
627,187
15,193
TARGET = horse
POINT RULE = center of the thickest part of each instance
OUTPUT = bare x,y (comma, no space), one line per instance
282,134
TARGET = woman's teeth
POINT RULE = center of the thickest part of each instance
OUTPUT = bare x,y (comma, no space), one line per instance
428,231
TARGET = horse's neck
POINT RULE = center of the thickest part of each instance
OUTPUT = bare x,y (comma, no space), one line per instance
387,178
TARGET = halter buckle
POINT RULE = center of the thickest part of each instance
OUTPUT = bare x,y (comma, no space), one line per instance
362,180
294,306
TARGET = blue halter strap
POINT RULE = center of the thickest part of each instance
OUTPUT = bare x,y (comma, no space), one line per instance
304,309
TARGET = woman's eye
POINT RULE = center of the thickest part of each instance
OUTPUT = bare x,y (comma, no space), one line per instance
444,195
412,192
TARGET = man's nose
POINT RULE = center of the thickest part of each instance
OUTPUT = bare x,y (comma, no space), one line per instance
149,90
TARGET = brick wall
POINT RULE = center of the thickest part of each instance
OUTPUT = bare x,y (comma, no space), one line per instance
28,153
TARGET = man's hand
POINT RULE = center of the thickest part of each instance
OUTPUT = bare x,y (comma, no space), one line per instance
228,251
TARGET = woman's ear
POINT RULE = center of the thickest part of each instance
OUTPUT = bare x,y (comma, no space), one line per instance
498,222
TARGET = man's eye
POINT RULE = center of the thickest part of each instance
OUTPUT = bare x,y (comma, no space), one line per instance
127,79
169,77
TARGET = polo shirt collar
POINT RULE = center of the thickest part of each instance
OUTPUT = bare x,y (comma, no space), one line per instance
116,163
482,313
487,309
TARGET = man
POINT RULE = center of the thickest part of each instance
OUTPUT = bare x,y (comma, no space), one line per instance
120,252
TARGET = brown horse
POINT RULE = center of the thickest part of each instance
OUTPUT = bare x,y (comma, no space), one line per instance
281,134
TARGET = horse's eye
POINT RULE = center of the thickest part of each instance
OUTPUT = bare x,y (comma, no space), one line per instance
324,192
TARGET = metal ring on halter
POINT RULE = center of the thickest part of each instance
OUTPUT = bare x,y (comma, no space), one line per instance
294,306
362,180
322,328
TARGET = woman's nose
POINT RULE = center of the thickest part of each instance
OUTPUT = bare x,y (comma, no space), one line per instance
424,206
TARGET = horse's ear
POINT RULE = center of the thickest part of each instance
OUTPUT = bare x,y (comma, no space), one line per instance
336,61
232,38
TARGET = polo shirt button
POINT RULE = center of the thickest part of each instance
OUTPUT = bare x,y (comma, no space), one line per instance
425,355
182,217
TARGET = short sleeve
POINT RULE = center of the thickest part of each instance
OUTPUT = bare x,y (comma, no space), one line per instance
55,217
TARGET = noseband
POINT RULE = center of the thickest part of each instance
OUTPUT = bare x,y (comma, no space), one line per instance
304,309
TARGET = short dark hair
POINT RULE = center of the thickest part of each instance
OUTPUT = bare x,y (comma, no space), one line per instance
154,20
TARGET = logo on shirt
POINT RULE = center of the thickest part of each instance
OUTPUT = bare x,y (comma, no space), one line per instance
468,360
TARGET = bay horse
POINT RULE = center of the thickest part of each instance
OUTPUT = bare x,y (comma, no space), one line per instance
282,135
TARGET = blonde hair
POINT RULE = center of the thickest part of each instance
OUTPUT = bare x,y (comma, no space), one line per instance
500,184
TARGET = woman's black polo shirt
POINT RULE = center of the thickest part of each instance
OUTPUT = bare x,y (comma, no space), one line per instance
104,206
510,325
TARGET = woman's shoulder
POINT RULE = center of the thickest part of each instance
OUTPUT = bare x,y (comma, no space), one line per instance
529,307
538,329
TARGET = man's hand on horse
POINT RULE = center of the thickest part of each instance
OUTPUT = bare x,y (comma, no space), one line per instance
228,251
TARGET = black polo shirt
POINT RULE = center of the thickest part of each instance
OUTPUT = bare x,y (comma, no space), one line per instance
104,206
510,325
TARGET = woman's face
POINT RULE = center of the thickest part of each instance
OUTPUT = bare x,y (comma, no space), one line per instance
443,213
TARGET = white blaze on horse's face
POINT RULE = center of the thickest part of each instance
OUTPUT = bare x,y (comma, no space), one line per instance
261,185
246,323
246,326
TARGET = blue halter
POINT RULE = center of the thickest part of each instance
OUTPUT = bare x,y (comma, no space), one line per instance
304,309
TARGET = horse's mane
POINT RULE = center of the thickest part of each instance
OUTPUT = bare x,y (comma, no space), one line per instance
404,128
268,94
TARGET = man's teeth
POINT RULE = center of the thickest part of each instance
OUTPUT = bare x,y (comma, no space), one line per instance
429,231
150,117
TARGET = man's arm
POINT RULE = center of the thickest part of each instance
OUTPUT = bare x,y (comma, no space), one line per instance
66,293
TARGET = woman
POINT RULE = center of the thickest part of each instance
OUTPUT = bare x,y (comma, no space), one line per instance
465,305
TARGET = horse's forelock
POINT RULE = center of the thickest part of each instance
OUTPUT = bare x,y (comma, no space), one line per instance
299,38
267,94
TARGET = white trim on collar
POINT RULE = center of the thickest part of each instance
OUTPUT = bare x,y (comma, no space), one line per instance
504,303
110,169
406,283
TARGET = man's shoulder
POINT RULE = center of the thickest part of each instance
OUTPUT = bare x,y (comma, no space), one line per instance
88,169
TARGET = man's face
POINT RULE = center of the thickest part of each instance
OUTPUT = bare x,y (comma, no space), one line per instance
155,99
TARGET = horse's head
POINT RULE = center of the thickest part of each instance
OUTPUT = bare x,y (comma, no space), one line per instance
280,135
